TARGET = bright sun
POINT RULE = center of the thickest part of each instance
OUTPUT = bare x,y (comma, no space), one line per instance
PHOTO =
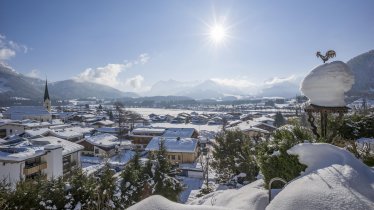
217,33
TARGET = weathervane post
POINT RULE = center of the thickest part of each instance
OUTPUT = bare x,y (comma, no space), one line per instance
323,110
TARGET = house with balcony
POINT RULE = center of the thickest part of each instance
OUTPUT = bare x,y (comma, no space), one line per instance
49,157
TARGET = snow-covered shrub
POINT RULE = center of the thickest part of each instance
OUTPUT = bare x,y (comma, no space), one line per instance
357,126
5,188
272,156
26,195
84,189
233,154
54,195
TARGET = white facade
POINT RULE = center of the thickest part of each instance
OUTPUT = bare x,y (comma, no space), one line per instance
54,161
49,156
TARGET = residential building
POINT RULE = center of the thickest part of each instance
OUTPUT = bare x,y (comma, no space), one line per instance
179,150
47,156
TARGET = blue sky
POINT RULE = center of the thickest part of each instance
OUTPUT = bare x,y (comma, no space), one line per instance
131,45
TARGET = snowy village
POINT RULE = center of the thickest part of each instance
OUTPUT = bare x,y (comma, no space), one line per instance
90,142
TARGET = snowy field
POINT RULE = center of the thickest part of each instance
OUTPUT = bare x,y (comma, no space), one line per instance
173,112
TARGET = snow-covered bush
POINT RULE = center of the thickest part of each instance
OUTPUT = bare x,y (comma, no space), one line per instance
357,126
233,154
272,156
5,187
27,195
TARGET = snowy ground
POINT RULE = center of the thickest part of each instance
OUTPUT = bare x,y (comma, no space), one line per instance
334,179
173,112
192,185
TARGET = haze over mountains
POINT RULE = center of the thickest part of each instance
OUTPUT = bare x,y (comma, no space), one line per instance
14,84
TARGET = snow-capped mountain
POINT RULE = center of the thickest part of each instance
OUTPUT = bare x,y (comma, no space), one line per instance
363,69
207,89
14,84
286,89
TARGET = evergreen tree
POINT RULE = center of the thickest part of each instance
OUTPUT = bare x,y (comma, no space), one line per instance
107,188
54,195
83,190
273,159
27,194
132,182
234,154
164,184
279,120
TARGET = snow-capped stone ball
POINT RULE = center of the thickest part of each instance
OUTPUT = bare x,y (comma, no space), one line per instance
326,84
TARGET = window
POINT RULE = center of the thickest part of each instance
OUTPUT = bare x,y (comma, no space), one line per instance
10,131
173,157
96,151
179,157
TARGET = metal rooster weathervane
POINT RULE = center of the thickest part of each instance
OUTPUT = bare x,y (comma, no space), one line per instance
329,54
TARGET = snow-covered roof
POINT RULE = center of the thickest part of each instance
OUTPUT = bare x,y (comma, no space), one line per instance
37,132
248,128
108,130
18,112
7,121
173,144
122,158
148,130
72,132
246,125
263,119
19,152
67,146
25,149
66,133
179,132
104,122
103,140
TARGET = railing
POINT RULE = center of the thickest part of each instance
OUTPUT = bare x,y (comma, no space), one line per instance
34,169
274,180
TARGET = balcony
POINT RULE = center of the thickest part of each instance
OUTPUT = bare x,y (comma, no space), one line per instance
34,169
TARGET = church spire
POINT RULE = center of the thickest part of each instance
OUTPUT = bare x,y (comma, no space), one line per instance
46,94
47,100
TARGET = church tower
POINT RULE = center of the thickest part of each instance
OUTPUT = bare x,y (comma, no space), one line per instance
47,100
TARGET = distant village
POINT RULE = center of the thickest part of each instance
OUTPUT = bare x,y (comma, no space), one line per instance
53,141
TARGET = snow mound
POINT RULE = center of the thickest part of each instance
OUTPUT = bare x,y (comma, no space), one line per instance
334,179
251,196
326,84
157,202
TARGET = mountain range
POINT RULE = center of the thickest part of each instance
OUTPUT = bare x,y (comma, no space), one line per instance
14,84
